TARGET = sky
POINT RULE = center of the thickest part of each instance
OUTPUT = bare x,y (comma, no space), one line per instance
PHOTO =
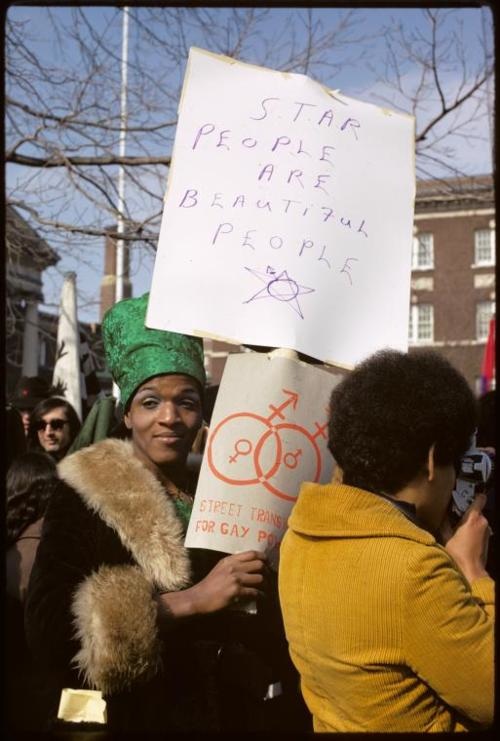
355,79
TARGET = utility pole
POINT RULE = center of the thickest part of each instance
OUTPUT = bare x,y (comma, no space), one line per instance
120,257
488,64
120,248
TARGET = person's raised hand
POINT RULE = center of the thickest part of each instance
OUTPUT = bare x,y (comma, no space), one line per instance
468,543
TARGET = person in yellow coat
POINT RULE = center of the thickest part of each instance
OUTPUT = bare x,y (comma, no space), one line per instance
389,611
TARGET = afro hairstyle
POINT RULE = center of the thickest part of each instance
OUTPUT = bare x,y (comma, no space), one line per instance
388,412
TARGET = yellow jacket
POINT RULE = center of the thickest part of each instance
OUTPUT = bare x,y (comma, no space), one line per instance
385,631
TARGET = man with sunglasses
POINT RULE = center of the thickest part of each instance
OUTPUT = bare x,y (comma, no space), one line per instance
54,425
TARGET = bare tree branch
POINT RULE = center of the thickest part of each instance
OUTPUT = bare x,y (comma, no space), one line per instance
70,119
62,99
99,161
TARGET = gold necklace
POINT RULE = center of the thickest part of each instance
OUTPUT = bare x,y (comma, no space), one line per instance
176,493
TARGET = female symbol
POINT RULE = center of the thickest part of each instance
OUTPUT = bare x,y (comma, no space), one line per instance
223,439
241,447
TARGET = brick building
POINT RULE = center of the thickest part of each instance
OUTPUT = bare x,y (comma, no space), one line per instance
453,277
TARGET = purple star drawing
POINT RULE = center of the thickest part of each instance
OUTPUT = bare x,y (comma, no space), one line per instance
280,287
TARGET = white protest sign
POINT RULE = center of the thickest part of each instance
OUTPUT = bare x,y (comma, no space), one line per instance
288,216
268,434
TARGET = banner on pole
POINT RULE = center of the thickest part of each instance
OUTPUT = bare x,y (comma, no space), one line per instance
288,217
268,434
67,366
488,364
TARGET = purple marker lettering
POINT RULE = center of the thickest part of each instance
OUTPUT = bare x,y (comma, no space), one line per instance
306,245
215,202
222,138
190,194
246,238
328,115
323,258
347,267
280,140
319,181
324,153
262,102
302,151
267,205
268,171
353,124
204,131
296,174
288,201
222,230
361,228
301,106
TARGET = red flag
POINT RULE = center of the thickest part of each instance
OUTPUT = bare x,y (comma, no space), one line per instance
488,366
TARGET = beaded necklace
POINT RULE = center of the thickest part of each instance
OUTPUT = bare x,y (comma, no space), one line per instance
183,503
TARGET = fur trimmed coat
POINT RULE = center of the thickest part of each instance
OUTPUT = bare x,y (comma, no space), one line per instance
111,540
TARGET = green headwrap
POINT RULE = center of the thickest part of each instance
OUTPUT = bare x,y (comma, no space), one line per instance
135,353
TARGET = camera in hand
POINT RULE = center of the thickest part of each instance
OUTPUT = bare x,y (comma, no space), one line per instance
474,471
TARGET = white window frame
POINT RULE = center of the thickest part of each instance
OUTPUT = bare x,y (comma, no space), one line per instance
480,261
415,325
426,264
487,309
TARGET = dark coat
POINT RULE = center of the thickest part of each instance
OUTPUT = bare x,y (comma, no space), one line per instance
19,561
111,540
27,696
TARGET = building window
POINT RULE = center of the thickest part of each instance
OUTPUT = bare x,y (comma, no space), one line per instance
484,252
484,313
421,329
423,252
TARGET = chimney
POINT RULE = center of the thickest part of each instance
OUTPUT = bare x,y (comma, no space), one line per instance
108,282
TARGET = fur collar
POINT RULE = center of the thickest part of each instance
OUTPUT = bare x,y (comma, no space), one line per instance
127,496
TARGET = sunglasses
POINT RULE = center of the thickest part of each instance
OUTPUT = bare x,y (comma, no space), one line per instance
54,424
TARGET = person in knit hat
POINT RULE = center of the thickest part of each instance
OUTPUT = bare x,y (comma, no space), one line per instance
116,602
29,391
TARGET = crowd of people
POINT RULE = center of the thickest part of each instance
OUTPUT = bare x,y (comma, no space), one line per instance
380,617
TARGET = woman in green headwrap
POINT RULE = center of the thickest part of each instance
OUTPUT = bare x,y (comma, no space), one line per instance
116,602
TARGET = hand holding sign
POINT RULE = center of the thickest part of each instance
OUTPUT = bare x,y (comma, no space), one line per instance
233,579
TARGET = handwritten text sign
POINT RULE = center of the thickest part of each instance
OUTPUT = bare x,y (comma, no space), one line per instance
288,215
268,434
